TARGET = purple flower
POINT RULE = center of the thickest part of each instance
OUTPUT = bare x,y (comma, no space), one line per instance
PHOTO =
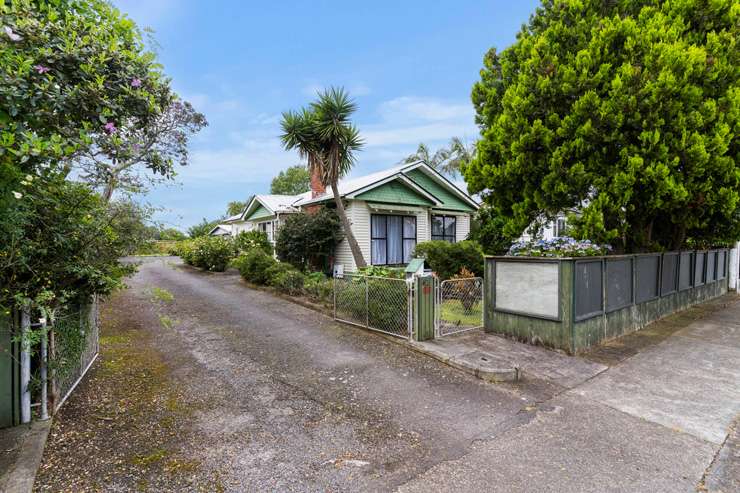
135,82
41,69
13,36
110,127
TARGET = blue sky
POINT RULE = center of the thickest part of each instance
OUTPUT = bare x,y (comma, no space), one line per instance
409,65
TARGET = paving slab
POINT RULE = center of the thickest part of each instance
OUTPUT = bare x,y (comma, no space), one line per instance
531,361
21,449
575,445
683,383
724,473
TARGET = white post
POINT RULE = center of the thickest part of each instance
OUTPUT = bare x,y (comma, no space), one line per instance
25,367
733,274
44,364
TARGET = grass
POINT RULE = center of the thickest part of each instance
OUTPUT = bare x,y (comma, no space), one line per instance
453,312
166,321
162,295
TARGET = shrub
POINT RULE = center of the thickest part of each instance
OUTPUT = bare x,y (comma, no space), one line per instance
447,259
254,265
380,271
178,248
208,252
317,286
249,240
287,279
563,246
308,239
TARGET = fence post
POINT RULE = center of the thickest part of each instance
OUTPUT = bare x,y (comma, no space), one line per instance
25,367
367,303
44,380
424,308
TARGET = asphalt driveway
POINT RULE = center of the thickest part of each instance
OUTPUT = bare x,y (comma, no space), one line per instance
263,394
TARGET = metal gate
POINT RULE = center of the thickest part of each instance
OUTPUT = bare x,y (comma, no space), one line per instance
378,303
459,306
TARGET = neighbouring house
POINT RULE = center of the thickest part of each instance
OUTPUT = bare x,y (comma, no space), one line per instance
225,228
390,212
548,231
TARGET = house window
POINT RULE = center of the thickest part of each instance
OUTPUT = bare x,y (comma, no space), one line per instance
560,226
268,228
393,239
444,228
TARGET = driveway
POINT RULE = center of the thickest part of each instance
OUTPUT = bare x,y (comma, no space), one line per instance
253,393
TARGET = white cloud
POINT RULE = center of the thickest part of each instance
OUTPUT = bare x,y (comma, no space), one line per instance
407,121
410,108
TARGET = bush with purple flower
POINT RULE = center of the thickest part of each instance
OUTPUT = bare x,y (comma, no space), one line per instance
562,246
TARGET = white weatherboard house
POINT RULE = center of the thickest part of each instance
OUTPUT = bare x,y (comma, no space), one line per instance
390,212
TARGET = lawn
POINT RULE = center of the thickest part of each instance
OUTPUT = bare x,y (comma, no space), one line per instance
453,313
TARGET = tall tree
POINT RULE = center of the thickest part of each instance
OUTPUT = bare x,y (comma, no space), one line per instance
323,134
235,207
291,181
157,144
628,110
448,160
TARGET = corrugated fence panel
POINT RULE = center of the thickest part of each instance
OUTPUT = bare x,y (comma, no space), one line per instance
684,272
669,274
722,264
588,288
646,277
618,284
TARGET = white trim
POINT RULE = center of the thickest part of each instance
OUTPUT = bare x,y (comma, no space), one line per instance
375,206
440,179
398,176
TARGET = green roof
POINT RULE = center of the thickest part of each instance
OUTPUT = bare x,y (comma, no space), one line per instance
450,200
259,213
395,192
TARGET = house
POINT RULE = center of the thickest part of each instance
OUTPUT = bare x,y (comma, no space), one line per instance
224,228
390,212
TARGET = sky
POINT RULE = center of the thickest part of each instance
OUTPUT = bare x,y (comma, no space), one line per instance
409,65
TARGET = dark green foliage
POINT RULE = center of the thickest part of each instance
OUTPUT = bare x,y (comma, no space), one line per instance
254,266
66,71
285,278
63,243
249,240
447,259
628,110
308,240
488,229
208,252
292,181
317,286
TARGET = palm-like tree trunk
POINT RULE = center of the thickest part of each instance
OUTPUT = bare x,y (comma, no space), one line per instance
348,234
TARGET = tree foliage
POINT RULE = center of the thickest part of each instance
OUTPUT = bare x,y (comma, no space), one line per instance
489,229
626,109
292,181
157,145
447,160
308,240
324,135
202,228
70,71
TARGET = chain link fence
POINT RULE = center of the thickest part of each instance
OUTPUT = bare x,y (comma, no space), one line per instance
378,303
459,305
75,346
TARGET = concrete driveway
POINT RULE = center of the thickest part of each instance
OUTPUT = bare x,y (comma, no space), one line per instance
282,398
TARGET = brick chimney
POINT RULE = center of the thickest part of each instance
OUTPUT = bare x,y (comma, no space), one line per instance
317,188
